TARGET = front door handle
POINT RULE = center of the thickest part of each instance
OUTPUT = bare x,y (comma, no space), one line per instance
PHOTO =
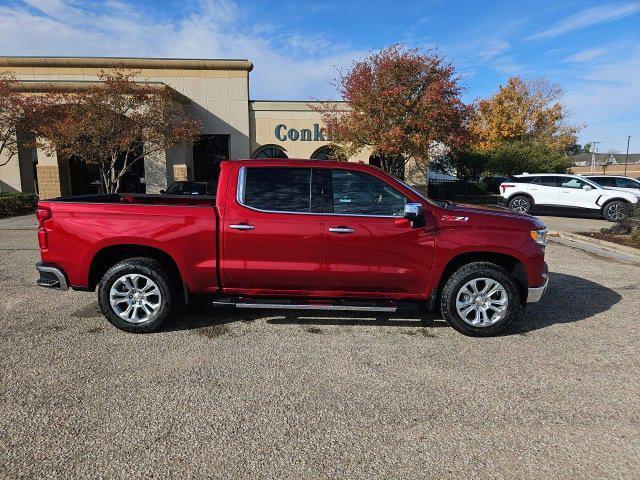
241,226
341,229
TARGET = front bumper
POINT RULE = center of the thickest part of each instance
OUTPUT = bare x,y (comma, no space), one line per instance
51,277
535,293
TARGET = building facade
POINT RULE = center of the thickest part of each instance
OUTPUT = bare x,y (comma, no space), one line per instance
214,91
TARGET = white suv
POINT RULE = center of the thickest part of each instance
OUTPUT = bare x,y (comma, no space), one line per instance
524,192
617,182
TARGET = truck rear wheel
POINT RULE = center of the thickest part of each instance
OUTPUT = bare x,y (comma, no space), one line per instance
480,299
136,295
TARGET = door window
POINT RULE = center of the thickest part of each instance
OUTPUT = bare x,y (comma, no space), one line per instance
573,183
627,183
604,181
276,189
357,193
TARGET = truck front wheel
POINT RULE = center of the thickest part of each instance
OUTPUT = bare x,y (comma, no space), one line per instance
136,295
480,299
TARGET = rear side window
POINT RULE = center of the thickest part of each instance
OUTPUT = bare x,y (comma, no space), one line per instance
604,181
357,193
548,181
523,179
277,189
626,183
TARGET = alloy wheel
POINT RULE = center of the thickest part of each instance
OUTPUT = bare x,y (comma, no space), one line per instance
135,298
482,302
615,211
520,205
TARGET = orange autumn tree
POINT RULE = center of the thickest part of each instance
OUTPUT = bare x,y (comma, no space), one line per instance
401,103
114,124
523,111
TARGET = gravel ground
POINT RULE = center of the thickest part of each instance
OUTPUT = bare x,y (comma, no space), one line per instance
229,394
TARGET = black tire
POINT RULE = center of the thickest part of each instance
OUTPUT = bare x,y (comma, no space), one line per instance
521,203
477,270
146,267
615,210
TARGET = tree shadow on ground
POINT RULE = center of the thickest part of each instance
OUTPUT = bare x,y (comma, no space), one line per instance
568,299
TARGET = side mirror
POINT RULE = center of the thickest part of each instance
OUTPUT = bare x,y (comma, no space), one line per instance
587,188
414,212
162,192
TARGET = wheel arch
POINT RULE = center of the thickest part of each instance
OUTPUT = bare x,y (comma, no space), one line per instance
512,265
107,257
521,194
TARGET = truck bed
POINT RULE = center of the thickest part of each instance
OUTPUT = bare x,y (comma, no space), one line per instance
83,229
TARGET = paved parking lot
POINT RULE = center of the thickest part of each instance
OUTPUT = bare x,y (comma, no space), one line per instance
233,394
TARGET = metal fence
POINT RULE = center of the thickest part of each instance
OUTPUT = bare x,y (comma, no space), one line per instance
460,191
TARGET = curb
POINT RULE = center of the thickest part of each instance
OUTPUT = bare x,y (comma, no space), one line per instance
594,245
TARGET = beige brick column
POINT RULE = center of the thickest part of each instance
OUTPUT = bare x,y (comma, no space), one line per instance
156,171
9,173
53,176
180,173
181,160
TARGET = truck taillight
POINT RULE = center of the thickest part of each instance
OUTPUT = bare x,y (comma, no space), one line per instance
43,214
504,186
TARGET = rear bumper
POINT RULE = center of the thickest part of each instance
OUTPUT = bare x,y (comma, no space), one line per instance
535,293
51,277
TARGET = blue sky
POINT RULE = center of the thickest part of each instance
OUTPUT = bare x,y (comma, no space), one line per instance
591,48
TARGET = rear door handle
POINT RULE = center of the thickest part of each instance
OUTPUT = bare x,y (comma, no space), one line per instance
241,226
341,229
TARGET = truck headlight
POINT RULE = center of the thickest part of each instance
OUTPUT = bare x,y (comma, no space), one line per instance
540,236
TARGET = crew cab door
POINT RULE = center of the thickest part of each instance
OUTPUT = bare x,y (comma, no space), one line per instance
271,232
574,194
369,248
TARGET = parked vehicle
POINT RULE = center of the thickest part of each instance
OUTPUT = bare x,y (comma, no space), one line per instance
524,192
189,188
295,234
614,182
492,184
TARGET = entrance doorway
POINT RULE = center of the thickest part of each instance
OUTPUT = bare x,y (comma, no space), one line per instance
208,152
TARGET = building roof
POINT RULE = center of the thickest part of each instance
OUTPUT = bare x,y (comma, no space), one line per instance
584,159
128,62
40,86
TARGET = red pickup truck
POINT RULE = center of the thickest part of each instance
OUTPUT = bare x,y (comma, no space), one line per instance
296,234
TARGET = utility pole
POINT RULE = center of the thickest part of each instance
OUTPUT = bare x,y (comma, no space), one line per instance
626,159
594,145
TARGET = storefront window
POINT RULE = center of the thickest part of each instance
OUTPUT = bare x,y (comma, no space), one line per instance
270,152
323,153
208,152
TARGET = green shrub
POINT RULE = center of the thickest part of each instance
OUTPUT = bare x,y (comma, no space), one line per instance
512,158
626,226
635,237
17,204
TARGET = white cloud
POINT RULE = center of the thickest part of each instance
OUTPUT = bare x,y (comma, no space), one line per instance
607,97
492,48
286,66
588,17
586,55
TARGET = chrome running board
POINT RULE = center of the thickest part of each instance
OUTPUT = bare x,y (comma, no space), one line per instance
308,306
